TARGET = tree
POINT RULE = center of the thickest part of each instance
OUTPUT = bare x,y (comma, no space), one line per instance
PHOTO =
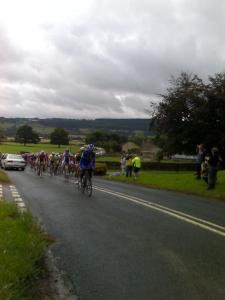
2,136
190,112
25,134
59,137
111,142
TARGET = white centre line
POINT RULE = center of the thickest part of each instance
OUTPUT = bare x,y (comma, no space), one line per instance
217,229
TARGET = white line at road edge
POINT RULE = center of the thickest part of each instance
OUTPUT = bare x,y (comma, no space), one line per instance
217,229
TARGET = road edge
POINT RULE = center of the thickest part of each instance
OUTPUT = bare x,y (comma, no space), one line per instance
60,284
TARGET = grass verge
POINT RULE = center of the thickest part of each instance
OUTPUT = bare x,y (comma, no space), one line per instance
22,254
176,181
3,177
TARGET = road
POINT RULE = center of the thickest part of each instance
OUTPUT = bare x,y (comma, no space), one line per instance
128,242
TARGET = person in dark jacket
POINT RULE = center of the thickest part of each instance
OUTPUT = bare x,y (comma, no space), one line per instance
213,162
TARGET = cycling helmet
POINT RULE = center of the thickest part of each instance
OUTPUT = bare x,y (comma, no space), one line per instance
91,146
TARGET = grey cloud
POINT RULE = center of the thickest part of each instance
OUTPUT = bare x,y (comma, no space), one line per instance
115,60
8,51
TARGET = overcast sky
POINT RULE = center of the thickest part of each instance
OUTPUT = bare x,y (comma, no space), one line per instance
102,58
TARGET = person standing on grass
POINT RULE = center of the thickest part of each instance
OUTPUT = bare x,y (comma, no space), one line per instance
136,162
129,165
213,161
200,157
205,170
123,163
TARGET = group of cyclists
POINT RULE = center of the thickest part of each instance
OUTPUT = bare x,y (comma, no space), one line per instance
66,163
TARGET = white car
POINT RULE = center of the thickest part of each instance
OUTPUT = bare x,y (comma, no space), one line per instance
13,161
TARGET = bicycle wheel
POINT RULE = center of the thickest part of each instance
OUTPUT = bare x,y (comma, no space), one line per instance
78,184
83,184
41,170
66,172
51,170
88,187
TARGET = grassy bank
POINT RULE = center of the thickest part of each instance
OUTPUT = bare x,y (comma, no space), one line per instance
177,181
3,177
10,147
22,252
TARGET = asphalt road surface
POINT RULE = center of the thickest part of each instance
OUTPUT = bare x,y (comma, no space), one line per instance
131,243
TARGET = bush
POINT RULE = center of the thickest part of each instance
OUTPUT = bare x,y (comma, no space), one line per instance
100,169
159,155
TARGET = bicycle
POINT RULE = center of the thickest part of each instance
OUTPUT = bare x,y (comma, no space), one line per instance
66,171
40,169
85,185
51,169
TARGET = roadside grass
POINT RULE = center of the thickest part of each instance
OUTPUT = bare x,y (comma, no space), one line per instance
11,147
3,177
22,254
176,181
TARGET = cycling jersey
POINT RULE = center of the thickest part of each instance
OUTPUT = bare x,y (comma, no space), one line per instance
42,157
87,160
66,158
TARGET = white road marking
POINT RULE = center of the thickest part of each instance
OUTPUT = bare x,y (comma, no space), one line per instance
1,192
21,204
217,229
18,199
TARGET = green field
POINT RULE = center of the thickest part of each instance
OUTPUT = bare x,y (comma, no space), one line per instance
33,148
22,253
176,181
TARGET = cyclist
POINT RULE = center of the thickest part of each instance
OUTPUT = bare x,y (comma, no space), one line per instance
57,163
41,162
52,163
87,161
66,162
77,157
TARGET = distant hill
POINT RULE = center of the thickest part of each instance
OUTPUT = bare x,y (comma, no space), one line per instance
76,127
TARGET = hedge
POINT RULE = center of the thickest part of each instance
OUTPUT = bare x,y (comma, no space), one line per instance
157,166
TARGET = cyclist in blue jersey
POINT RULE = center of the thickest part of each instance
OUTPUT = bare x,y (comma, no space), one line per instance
66,160
66,157
87,161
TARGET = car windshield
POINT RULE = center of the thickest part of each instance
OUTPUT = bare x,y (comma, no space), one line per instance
14,156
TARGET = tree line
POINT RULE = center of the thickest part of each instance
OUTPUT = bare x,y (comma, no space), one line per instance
111,142
25,134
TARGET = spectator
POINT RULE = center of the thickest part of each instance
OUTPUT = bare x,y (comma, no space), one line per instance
123,163
136,162
205,170
213,161
129,165
200,157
